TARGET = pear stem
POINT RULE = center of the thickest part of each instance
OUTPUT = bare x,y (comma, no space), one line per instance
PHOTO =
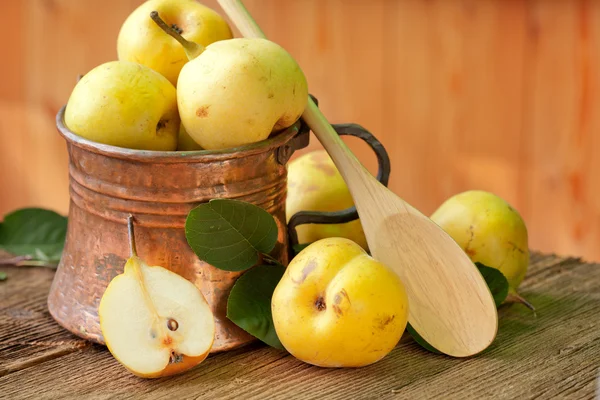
514,297
132,248
192,49
140,277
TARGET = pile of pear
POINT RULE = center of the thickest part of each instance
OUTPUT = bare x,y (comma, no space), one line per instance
182,81
488,229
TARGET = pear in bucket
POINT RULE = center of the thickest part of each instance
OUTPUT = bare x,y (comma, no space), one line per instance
237,91
141,41
124,104
185,141
155,322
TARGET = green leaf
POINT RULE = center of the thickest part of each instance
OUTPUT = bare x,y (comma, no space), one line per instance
420,340
3,276
249,303
34,232
496,281
229,234
498,285
299,247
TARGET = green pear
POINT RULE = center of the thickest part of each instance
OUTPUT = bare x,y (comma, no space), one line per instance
185,141
125,104
490,231
237,91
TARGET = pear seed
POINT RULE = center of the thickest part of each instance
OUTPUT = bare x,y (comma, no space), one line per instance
172,324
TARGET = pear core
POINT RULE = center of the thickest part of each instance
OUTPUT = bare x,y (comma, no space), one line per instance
149,331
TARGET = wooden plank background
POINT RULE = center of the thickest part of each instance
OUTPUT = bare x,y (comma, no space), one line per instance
551,354
501,95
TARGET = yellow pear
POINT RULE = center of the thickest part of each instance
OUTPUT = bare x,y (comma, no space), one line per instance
125,104
155,322
141,41
335,306
490,231
238,91
315,184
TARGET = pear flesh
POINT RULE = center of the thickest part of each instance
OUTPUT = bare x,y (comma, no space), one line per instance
239,91
155,322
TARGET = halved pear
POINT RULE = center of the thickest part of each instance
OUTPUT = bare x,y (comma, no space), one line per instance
155,322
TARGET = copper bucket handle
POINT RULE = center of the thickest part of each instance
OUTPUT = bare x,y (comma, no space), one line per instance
349,214
298,142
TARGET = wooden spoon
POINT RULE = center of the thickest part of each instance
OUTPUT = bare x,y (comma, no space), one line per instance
450,305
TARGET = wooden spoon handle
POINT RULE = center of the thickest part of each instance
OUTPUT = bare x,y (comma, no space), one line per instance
349,166
241,18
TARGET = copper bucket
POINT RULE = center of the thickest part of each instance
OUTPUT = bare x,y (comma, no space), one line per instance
108,183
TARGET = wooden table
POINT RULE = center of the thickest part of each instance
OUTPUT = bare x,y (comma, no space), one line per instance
554,354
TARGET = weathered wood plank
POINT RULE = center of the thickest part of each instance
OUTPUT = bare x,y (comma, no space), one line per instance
28,335
554,354
561,82
491,94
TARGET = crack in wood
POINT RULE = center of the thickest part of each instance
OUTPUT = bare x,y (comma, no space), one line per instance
33,361
75,344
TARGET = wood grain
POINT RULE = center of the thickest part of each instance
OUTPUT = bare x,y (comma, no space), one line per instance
552,354
490,94
25,342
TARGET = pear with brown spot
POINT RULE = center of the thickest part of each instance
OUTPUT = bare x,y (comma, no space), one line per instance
336,306
491,232
237,91
155,322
